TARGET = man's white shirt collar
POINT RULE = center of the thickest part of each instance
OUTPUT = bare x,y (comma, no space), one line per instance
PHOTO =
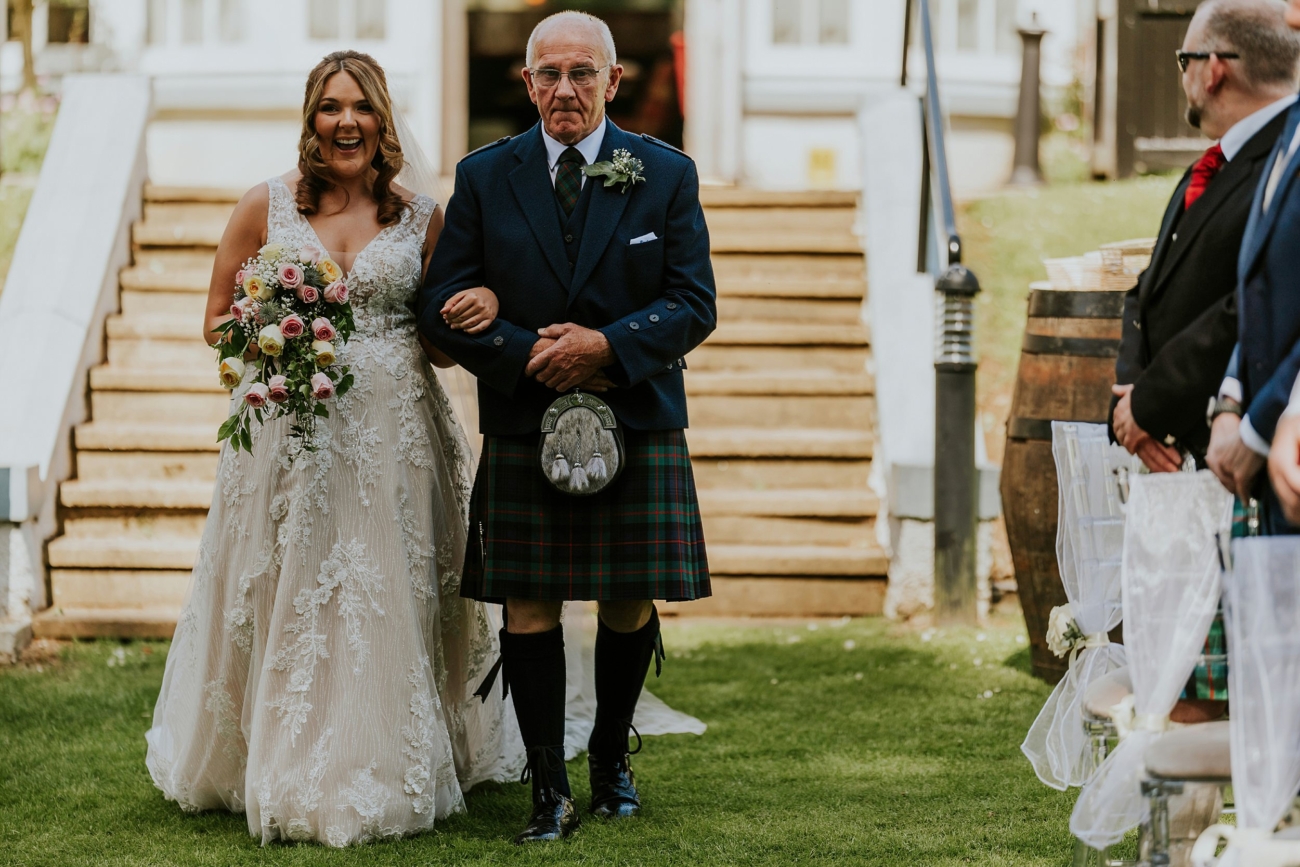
589,147
1244,130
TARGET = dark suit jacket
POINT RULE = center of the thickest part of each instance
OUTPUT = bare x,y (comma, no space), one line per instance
654,301
1180,321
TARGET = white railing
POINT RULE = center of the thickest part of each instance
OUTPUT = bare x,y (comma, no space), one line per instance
61,286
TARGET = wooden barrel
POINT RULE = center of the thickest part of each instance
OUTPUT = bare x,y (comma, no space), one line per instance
1067,366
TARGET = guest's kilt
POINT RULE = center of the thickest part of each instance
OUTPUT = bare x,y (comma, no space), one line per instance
641,538
1209,680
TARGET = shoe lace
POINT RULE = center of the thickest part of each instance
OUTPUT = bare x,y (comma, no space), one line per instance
544,763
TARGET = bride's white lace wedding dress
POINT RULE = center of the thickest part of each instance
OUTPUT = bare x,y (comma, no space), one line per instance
322,670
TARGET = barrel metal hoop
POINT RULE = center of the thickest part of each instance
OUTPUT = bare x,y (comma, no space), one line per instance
1040,428
1076,305
1089,347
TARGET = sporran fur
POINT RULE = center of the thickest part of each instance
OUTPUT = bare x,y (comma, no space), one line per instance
581,449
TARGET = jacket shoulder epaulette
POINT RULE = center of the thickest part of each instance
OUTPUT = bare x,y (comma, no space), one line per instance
664,144
488,146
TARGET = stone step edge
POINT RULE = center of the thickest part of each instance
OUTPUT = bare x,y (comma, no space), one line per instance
66,623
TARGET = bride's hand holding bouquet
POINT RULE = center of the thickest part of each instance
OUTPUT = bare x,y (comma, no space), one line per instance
292,308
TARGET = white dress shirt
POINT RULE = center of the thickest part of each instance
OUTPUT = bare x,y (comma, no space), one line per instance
1235,139
589,147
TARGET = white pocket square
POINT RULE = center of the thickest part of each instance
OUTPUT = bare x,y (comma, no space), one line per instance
648,236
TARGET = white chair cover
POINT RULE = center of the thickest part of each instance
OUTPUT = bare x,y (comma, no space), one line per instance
1171,582
1090,473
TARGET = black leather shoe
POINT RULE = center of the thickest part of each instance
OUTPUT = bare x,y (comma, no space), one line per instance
554,818
613,787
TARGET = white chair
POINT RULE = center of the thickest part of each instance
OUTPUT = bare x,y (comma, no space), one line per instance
1171,582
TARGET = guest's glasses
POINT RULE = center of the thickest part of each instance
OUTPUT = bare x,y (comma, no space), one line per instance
583,76
1186,57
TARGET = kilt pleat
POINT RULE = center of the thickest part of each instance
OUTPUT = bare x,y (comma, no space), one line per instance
642,538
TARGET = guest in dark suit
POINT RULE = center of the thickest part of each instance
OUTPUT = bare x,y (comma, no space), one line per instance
603,287
1239,64
1263,370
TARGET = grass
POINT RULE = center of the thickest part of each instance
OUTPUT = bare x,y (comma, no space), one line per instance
834,743
1008,235
25,128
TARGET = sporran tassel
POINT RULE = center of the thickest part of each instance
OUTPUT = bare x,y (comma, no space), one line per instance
578,479
596,468
559,469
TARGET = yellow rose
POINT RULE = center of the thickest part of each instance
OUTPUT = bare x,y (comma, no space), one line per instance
257,288
270,340
329,270
231,371
324,352
271,251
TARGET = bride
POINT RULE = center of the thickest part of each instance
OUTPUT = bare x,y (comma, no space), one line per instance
322,670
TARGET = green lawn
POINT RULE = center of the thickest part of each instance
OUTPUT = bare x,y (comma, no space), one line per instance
25,132
848,743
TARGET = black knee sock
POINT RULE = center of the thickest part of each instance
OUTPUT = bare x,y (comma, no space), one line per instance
534,669
622,661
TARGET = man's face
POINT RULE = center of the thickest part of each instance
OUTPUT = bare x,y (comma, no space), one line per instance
1193,77
570,112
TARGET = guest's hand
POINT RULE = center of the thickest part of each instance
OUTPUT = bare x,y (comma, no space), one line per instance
1284,466
577,355
471,310
1234,462
1158,457
1127,432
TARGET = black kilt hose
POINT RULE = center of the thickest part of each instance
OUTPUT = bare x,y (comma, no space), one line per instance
639,539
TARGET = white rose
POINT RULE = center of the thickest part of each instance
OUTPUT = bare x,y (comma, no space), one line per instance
231,371
1059,625
270,340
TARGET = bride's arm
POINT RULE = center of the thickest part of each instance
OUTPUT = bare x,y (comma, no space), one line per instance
437,356
244,236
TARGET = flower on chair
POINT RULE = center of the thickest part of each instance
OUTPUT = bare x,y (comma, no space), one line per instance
1063,631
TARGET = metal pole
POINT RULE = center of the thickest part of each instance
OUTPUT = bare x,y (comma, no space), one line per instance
956,481
1029,113
907,41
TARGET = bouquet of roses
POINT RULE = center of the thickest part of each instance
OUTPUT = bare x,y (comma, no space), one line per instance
293,307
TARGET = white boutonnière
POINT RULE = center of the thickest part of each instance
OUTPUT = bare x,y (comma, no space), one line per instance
623,169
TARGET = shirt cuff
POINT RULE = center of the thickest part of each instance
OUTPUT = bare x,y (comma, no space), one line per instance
1253,440
1230,389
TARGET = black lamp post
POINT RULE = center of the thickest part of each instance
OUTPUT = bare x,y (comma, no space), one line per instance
1028,115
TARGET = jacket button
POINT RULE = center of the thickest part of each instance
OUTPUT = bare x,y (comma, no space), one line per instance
654,317
568,239
634,325
499,341
671,305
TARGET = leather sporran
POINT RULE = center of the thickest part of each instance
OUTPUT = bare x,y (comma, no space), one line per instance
581,450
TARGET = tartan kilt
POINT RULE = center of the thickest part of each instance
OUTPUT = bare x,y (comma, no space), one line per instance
1209,680
641,538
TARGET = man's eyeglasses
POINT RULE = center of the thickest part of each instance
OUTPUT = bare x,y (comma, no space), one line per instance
583,76
1186,57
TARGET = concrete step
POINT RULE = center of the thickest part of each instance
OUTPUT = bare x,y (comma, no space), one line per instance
158,233
771,275
136,494
132,553
797,560
745,197
156,326
95,466
164,354
144,524
759,333
109,377
164,193
745,241
139,406
786,598
68,623
793,503
786,411
777,473
745,529
776,309
126,436
164,260
186,280
808,382
146,302
765,442
191,211
774,360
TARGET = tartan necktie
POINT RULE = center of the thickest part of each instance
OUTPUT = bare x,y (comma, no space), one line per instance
568,179
1202,173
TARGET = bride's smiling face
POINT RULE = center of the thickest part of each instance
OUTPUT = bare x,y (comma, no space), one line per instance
347,127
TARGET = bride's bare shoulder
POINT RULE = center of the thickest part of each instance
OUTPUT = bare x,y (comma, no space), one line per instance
407,195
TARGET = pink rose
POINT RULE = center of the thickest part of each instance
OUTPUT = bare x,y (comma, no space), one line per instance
292,326
337,292
308,294
278,389
240,308
310,253
257,395
290,275
321,329
239,277
322,388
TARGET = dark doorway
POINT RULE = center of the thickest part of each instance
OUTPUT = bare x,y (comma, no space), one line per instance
647,100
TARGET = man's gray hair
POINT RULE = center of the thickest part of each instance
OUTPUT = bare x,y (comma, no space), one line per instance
582,19
1257,30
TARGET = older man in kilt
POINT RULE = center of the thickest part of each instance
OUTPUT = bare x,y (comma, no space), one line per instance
595,244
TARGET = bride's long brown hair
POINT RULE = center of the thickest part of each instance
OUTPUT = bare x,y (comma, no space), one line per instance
387,161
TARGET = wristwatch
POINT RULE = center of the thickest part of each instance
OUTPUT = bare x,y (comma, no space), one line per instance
1219,405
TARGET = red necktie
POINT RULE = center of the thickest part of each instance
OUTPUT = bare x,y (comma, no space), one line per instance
1202,173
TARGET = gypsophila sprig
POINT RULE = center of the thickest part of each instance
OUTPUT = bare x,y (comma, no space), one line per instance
293,308
623,169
